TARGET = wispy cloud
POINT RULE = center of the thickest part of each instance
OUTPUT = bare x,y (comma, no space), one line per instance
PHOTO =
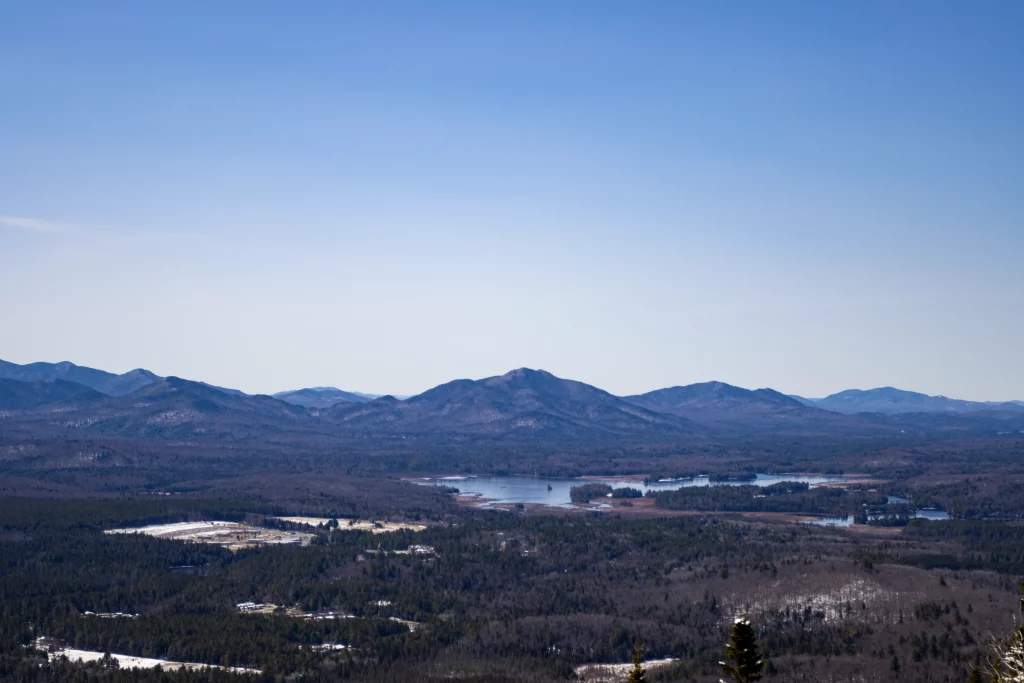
36,224
98,233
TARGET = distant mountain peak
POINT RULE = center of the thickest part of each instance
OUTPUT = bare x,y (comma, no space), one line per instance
713,396
319,397
520,374
522,403
893,401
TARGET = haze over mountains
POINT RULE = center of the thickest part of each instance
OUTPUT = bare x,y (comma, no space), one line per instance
521,404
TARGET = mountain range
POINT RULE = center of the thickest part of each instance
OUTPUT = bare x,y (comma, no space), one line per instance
730,407
120,385
97,380
520,405
522,402
167,408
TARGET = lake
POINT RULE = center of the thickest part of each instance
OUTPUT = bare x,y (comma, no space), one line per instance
497,490
924,513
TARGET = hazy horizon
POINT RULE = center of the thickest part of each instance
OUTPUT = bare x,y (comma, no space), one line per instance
803,196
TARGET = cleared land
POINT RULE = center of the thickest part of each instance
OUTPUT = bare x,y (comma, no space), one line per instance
231,535
130,662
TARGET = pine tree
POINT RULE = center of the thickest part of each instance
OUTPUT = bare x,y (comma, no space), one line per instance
1008,665
744,663
638,675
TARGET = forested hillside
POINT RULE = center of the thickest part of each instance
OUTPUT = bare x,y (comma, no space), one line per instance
507,597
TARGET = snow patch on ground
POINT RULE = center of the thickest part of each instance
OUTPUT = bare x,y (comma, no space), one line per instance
229,534
825,596
616,673
173,418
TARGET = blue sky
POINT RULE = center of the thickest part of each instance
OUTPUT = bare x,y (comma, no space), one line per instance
384,196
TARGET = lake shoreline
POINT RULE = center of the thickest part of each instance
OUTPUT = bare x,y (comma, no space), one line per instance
519,492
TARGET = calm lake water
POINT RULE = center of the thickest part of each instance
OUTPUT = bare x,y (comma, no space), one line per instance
935,515
555,492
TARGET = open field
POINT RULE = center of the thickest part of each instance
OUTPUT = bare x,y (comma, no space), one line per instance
129,662
55,652
231,535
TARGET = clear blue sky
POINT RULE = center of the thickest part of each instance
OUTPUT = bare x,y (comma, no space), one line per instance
383,196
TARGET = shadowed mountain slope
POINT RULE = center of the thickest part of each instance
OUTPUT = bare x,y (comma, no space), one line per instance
18,395
175,408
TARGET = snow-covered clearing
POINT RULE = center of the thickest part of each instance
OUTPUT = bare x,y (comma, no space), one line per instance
230,534
130,662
